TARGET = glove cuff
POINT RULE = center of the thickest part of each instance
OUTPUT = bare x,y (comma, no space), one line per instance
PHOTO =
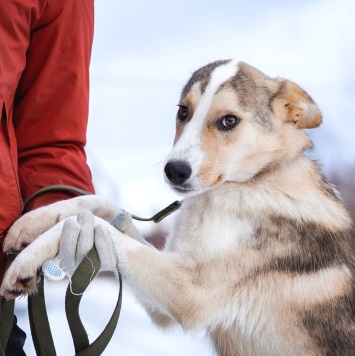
122,221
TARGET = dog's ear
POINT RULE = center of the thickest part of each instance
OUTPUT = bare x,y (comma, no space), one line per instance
292,103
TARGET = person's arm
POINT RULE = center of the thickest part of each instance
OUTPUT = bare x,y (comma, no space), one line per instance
54,164
51,104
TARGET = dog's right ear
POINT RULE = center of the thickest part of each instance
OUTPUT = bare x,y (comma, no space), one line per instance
291,103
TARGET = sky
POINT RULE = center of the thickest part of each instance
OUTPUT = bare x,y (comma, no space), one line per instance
144,52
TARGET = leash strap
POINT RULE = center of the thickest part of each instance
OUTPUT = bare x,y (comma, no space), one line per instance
6,322
6,317
162,214
40,329
51,188
39,323
80,281
156,218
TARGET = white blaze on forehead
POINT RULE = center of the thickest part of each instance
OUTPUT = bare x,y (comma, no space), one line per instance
187,148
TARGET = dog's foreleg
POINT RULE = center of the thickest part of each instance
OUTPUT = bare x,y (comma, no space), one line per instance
34,223
164,282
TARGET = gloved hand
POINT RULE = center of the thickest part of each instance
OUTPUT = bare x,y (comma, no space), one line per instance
78,238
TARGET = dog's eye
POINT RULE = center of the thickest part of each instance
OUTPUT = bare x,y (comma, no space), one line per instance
183,112
228,122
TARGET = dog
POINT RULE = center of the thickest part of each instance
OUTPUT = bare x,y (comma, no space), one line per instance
260,252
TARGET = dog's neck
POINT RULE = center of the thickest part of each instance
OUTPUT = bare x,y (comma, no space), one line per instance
280,191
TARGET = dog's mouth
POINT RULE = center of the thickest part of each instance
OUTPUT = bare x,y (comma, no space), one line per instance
179,175
183,189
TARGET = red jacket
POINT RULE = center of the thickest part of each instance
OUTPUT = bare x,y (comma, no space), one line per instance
45,49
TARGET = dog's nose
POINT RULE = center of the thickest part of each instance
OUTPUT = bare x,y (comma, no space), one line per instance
178,172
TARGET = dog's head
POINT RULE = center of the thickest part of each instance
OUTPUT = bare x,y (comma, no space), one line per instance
233,123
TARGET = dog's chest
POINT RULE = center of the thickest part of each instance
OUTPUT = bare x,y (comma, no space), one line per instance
209,229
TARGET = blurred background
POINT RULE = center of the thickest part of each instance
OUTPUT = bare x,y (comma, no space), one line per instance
144,52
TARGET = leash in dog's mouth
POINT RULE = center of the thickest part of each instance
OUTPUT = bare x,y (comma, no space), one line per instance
162,214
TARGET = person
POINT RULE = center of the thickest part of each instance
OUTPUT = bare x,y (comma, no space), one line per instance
45,50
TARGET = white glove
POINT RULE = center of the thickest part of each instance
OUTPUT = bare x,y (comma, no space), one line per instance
78,238
76,241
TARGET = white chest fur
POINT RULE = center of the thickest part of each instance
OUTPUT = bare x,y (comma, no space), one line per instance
208,225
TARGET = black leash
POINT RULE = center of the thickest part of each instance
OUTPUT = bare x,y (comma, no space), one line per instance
80,281
162,214
6,322
40,329
6,317
39,323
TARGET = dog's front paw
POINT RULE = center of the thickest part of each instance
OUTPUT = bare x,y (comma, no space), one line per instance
26,229
18,282
22,275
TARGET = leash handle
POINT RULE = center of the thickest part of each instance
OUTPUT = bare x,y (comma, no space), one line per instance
81,278
40,329
39,323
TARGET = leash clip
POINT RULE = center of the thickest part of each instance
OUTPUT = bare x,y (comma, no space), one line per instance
161,214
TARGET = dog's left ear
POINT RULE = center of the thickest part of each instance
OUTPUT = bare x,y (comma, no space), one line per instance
292,103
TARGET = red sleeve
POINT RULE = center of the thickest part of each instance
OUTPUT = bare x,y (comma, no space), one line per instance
51,165
51,104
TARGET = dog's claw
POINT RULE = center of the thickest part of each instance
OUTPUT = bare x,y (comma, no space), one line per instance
15,251
25,280
12,251
15,292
